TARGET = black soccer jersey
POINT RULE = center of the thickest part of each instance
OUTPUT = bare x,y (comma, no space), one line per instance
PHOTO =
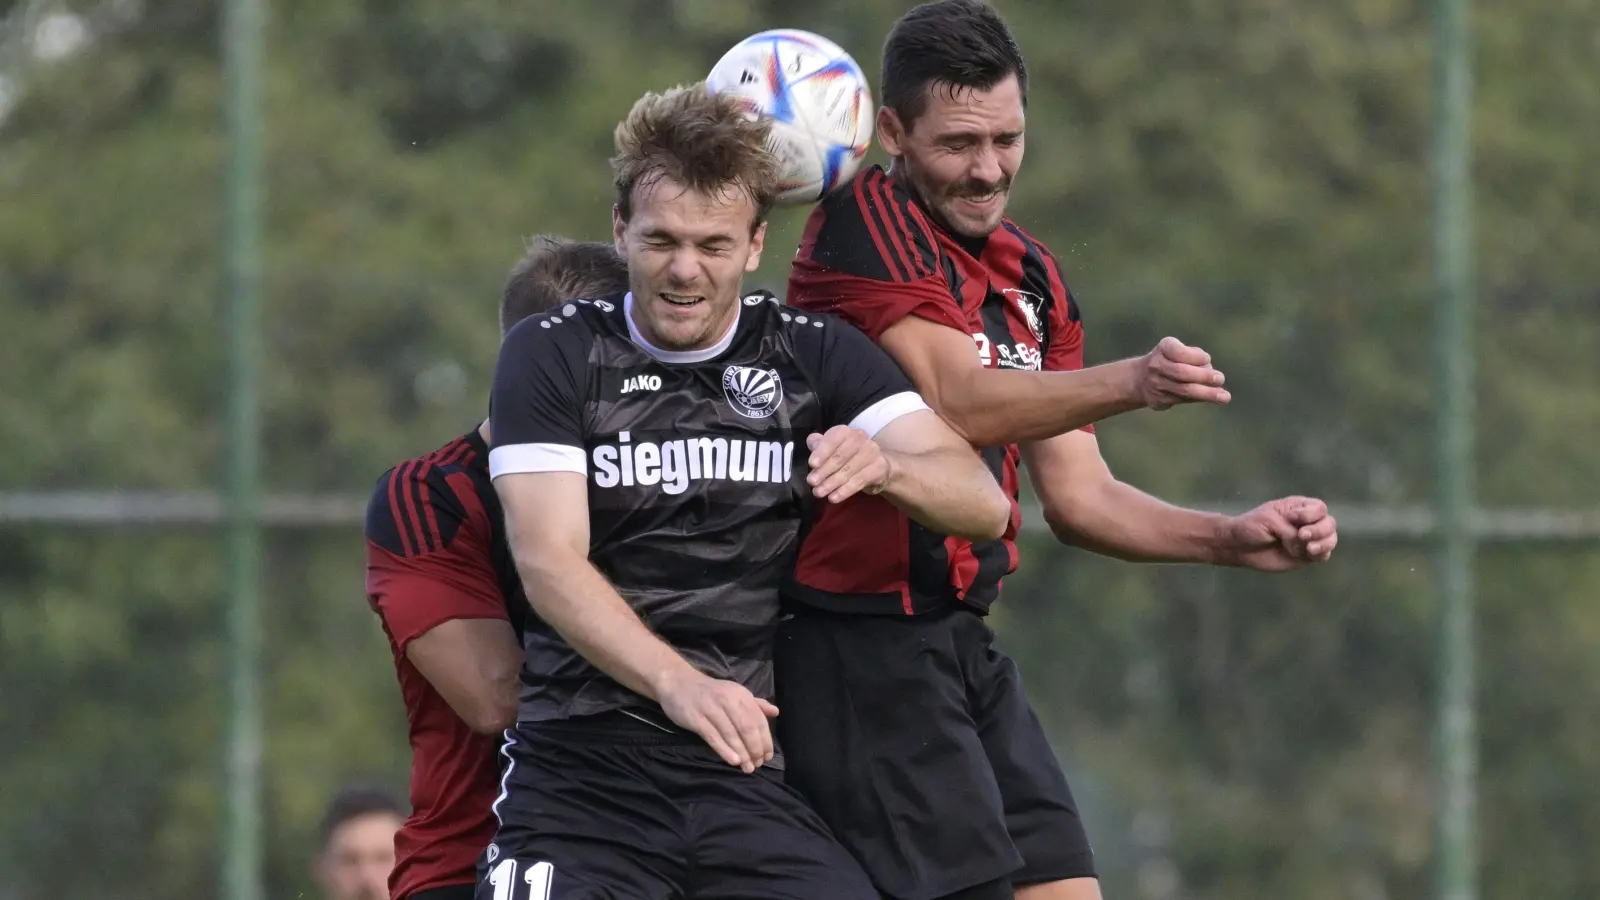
696,463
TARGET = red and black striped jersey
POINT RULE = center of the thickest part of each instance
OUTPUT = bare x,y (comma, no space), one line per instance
871,256
436,551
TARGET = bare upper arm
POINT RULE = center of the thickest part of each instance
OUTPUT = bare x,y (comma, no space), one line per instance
473,664
921,431
455,640
1063,468
941,361
546,511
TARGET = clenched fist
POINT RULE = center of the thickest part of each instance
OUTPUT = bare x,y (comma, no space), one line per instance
1281,535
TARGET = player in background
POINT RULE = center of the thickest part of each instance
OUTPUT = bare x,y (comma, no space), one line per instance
887,658
440,577
651,455
357,844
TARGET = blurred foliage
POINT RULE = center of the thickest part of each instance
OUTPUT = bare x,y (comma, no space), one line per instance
1251,176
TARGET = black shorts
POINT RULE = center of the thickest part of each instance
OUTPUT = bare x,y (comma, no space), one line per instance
449,892
614,808
913,739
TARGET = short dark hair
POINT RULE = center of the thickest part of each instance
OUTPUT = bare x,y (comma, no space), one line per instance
950,44
703,140
355,801
555,270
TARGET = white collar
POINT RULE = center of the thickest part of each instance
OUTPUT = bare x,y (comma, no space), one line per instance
679,356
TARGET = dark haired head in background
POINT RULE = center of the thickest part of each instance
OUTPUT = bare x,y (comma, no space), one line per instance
555,270
356,851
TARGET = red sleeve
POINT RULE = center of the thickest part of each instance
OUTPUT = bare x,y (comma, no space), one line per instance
428,555
1065,353
869,257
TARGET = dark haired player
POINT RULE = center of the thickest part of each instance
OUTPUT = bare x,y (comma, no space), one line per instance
651,454
440,577
887,665
357,844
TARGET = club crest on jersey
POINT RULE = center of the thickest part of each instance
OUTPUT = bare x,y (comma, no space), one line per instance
1030,304
753,393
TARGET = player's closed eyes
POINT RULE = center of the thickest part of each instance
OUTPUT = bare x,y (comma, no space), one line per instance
666,245
961,145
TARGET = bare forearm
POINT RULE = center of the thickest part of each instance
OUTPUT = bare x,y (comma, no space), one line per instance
588,613
1007,406
949,491
1118,520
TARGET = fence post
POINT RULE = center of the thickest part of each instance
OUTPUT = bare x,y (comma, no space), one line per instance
241,53
1455,748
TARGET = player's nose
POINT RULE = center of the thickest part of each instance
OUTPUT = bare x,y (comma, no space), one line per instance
985,167
684,266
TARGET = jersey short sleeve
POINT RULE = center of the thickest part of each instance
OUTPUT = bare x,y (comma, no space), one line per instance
536,404
869,256
1065,353
428,553
857,383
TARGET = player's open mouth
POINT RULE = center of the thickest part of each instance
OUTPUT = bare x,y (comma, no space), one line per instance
680,300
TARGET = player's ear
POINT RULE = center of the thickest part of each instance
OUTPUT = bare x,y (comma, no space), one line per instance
619,226
890,132
758,240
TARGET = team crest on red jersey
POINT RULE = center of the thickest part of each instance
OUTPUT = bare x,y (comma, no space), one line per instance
1030,304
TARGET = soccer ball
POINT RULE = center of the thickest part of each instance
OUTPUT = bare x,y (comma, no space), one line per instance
818,100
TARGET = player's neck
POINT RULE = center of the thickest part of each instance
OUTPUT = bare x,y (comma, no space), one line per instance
679,356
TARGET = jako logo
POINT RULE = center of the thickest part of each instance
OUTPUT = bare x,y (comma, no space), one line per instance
753,393
642,383
674,463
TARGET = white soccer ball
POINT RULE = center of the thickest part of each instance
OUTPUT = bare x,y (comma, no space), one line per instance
818,100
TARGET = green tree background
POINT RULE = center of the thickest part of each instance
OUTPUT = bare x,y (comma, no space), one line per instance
1248,175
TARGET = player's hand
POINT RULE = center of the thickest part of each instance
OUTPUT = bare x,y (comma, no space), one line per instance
730,718
1281,535
845,462
1175,373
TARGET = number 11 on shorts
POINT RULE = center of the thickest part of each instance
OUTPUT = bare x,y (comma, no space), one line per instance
537,877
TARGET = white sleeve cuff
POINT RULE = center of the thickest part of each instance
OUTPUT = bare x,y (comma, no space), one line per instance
873,418
521,459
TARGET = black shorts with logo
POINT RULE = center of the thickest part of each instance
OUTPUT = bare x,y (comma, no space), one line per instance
610,807
912,737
